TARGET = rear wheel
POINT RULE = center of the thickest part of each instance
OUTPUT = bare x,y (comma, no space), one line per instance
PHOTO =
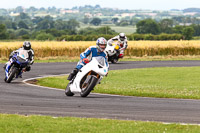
68,91
114,61
11,74
89,87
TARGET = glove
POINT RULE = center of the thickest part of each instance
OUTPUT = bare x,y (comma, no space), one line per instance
85,60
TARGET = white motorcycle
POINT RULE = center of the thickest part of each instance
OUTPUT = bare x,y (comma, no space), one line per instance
113,52
88,77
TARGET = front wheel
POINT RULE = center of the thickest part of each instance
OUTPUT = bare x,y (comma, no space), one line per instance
68,91
86,91
11,75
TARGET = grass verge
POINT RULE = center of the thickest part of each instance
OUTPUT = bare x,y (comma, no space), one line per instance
46,124
167,82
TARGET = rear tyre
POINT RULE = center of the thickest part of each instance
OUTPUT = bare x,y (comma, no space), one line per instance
12,73
114,61
85,92
68,91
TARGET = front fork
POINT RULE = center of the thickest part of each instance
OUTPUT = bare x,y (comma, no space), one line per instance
7,70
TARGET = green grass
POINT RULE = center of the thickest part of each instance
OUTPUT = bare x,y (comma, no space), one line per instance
47,124
167,82
125,29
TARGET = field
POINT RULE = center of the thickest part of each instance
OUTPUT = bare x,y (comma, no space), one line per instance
167,82
135,48
125,29
47,124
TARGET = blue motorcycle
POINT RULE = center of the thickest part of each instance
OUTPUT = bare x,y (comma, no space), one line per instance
19,62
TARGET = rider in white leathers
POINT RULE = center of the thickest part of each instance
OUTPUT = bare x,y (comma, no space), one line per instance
26,46
122,39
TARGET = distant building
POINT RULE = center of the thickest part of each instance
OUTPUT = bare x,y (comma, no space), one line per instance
89,15
98,14
185,24
128,14
190,13
14,14
63,11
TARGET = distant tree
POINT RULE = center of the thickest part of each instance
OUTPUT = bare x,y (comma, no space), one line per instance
188,33
3,12
105,30
23,25
45,24
86,20
7,23
196,30
97,6
25,37
192,10
114,20
23,16
72,24
123,23
60,25
48,17
42,9
44,36
19,9
32,9
134,21
52,9
178,29
96,21
148,26
22,32
3,32
56,33
166,26
14,25
97,31
36,20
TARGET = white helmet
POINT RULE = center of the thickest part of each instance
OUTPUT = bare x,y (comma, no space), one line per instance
101,40
122,36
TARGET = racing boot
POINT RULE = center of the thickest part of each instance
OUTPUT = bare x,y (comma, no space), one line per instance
4,67
72,74
19,75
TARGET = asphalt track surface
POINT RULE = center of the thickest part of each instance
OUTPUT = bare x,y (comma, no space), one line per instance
20,98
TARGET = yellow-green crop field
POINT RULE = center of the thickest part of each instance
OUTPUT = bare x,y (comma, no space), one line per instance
135,48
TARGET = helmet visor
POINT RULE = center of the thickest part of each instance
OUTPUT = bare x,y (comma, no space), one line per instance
102,46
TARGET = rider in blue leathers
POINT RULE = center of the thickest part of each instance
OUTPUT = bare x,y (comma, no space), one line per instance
90,52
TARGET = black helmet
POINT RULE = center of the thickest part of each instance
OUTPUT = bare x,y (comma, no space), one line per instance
122,36
27,45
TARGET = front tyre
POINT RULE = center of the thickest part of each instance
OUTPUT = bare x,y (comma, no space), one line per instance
86,91
11,75
68,91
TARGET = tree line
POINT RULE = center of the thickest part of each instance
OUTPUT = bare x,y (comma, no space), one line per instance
47,28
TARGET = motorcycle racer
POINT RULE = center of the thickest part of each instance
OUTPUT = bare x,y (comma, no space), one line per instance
87,55
26,46
122,39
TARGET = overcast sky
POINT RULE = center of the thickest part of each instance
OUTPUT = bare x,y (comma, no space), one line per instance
121,4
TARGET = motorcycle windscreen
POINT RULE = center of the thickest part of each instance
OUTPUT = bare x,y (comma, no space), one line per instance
23,55
101,60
